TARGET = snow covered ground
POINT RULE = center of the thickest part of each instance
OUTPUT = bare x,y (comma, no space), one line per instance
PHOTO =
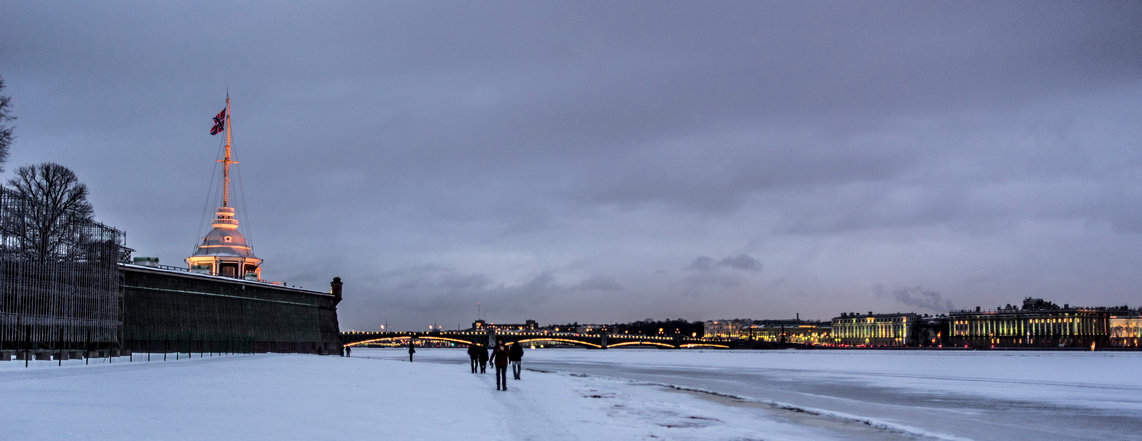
582,395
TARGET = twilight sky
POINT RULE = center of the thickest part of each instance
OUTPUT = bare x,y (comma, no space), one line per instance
610,161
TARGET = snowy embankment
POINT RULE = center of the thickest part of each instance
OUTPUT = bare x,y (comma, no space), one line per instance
307,397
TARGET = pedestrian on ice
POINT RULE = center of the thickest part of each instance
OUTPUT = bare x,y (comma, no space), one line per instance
348,351
482,352
500,360
474,356
411,350
515,356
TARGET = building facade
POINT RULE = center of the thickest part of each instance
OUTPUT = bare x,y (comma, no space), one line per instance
791,332
482,325
875,330
1038,323
725,328
1125,329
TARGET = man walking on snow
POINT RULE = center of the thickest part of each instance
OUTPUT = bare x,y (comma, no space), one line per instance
474,356
500,360
515,355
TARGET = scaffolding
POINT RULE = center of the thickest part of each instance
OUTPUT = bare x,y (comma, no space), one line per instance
66,295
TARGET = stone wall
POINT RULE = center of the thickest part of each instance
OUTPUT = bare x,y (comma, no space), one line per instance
168,310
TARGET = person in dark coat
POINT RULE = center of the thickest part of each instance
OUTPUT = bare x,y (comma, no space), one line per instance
411,350
474,356
500,360
515,356
348,351
482,353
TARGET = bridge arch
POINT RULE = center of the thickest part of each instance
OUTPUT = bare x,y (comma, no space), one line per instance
409,337
559,340
469,338
703,345
641,343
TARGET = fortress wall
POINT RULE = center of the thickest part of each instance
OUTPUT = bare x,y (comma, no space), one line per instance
169,310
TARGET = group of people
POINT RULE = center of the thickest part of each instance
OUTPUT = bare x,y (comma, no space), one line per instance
501,356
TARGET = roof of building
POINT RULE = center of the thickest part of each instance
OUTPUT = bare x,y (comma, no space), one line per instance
224,240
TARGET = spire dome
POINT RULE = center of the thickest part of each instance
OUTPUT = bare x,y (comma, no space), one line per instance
224,251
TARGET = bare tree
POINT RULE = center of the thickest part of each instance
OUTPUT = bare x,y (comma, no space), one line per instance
53,212
5,131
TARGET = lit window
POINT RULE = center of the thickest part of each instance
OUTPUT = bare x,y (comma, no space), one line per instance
226,239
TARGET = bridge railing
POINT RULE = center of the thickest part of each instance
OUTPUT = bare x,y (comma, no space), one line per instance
598,340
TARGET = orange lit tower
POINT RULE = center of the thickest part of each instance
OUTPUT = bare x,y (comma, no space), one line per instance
224,251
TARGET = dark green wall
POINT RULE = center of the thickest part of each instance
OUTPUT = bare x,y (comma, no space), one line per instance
169,310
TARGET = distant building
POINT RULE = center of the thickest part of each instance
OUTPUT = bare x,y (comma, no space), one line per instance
529,325
725,328
875,330
1126,329
797,332
590,329
931,331
1039,323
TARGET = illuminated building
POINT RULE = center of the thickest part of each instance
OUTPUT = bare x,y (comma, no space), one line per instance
529,325
795,332
1126,329
875,330
725,328
1037,323
590,328
224,251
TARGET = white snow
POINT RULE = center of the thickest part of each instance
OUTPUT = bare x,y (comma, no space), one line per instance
378,394
307,397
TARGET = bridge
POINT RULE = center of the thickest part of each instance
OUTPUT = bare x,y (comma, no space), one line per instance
488,338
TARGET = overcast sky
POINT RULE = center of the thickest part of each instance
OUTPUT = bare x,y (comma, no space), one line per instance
610,161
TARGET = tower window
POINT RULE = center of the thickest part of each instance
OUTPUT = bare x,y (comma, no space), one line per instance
226,239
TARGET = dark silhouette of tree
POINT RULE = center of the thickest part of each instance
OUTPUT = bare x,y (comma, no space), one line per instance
53,214
5,131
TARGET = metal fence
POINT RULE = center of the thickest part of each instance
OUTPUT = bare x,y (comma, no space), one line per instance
64,296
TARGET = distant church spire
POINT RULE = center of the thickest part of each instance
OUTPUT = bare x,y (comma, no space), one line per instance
224,251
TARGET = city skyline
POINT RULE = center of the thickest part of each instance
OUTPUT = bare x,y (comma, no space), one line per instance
604,163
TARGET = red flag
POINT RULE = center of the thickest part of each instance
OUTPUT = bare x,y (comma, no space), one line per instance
219,122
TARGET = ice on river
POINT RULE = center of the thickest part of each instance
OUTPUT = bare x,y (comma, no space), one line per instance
570,394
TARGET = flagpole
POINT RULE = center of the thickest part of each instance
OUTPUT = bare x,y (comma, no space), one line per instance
226,160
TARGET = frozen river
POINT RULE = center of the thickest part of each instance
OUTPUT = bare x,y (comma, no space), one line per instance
907,394
582,395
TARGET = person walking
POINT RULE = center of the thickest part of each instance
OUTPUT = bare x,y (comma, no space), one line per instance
482,353
411,350
348,351
515,356
474,356
500,360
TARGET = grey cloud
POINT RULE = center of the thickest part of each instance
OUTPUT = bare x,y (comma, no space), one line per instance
919,297
448,295
699,285
599,283
503,141
701,263
741,262
705,276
